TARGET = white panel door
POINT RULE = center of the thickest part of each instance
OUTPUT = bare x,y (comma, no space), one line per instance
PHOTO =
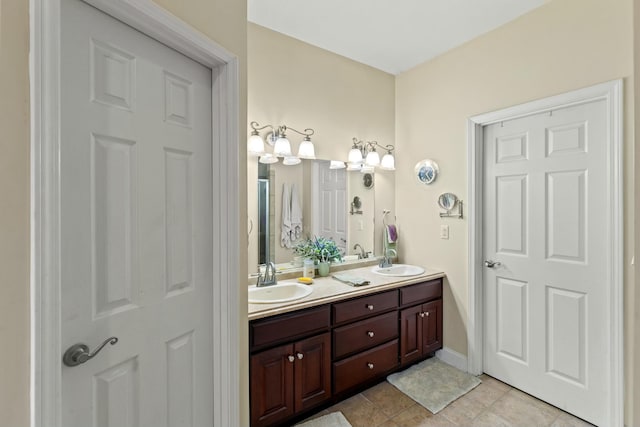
332,203
136,225
546,303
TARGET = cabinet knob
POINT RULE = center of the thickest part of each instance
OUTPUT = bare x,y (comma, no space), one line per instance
370,365
421,314
371,334
426,314
291,358
300,355
370,307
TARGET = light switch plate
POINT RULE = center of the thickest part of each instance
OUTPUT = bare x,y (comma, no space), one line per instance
444,232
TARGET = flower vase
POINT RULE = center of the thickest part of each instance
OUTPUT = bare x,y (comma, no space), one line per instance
323,269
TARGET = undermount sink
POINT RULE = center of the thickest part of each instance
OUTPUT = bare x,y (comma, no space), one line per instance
399,270
283,292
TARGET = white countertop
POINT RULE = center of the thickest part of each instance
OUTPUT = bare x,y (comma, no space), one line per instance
327,289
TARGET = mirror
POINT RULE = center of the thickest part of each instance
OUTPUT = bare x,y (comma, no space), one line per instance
323,198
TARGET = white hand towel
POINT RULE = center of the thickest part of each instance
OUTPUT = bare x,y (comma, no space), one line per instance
296,214
285,235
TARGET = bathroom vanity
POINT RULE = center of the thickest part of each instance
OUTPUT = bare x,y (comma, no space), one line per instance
339,340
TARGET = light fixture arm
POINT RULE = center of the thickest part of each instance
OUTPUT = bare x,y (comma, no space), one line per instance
366,146
256,128
306,133
387,147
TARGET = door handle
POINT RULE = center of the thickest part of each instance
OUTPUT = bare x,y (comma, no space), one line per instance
492,264
79,353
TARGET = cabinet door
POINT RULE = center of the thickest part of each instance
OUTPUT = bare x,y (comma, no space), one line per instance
410,334
312,371
271,386
432,326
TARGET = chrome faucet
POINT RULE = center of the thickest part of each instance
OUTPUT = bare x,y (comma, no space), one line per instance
387,260
269,277
362,253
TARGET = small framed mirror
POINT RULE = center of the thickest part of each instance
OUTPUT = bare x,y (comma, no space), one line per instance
447,201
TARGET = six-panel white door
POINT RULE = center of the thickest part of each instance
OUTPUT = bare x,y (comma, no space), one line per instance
136,225
331,220
545,213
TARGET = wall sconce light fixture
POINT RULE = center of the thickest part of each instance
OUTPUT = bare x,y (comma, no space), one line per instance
277,138
364,157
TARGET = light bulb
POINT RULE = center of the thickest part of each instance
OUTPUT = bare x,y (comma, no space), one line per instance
373,159
355,155
282,147
255,145
306,149
388,162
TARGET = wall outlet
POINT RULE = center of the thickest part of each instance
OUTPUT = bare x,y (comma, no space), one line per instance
444,232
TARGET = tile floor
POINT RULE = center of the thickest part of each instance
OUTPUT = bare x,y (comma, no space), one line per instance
491,404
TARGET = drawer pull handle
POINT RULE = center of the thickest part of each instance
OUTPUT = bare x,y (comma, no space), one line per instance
300,355
371,334
291,358
370,307
370,365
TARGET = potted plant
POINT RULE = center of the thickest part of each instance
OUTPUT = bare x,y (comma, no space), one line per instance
322,251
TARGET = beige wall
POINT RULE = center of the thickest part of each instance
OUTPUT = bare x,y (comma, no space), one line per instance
302,86
564,45
14,213
222,20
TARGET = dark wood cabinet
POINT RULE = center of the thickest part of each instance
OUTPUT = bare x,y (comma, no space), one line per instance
289,379
421,324
316,356
312,372
271,386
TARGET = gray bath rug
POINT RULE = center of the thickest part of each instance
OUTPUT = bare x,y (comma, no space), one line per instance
334,419
433,384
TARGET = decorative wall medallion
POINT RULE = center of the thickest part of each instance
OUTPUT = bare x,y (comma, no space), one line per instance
426,171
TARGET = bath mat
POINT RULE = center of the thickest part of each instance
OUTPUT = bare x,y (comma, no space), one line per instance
334,419
433,383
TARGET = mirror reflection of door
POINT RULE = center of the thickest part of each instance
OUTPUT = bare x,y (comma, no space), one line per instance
330,200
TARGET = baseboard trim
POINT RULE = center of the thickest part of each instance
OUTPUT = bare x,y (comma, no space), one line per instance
453,358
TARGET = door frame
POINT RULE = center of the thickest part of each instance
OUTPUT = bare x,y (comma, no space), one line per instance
611,93
44,70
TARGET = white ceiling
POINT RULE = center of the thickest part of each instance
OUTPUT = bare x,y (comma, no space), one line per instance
391,35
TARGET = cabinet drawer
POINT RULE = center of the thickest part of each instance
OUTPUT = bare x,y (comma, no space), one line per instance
364,366
421,292
364,306
289,327
364,334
